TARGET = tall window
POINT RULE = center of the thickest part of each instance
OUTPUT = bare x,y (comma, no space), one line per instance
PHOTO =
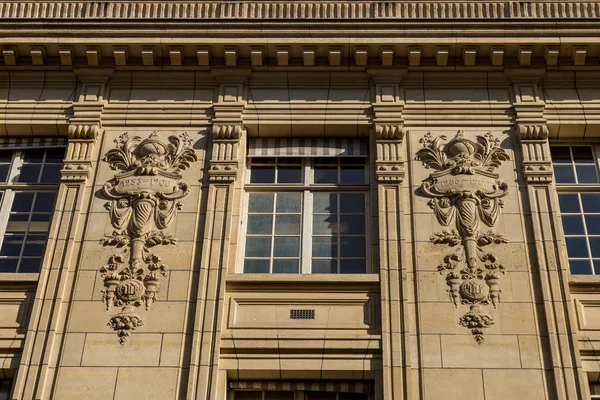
28,180
307,214
577,180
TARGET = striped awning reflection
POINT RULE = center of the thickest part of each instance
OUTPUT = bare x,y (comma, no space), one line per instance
320,386
307,147
30,142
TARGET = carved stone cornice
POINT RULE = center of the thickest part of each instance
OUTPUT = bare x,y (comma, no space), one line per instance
296,10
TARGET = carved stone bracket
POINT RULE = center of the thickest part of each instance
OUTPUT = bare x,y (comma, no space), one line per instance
144,196
85,124
226,133
533,133
389,132
465,191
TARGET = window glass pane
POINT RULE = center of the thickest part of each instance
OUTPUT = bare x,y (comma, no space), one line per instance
288,202
323,246
286,266
352,246
586,174
6,156
595,246
278,395
590,202
592,223
4,172
569,203
320,396
583,154
324,266
30,173
325,203
289,175
8,264
352,175
287,224
352,224
352,396
573,225
260,203
260,224
352,203
325,224
55,156
33,155
597,267
564,174
577,247
22,202
560,154
326,175
11,247
350,266
262,175
256,266
17,223
51,173
33,249
30,265
248,395
44,202
580,267
286,247
258,246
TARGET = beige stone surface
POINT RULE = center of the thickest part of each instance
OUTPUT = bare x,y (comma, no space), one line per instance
97,383
508,384
452,384
146,383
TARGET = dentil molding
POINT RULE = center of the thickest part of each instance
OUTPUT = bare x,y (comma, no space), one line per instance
144,196
465,190
314,10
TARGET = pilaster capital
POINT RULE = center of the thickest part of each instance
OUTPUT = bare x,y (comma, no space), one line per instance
388,126
530,126
227,130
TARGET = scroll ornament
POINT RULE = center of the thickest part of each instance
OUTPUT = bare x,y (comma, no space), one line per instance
465,190
144,196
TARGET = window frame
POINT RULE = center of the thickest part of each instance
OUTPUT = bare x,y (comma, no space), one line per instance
307,188
10,188
577,189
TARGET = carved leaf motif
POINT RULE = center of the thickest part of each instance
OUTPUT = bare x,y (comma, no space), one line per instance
431,155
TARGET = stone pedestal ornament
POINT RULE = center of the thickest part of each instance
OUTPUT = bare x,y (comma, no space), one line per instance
145,198
465,190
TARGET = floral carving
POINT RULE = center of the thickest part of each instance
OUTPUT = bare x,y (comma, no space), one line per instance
465,190
144,199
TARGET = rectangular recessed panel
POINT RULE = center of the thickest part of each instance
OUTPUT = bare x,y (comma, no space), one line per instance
302,314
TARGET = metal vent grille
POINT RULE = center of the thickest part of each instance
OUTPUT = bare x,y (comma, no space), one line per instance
302,314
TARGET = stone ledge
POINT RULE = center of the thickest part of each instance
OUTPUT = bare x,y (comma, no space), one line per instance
18,277
302,278
296,10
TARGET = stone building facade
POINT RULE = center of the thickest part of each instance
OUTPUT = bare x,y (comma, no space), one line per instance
393,199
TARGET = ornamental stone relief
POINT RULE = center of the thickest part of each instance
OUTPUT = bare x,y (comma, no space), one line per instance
465,192
144,196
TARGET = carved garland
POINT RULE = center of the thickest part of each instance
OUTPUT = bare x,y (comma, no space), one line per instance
465,189
145,196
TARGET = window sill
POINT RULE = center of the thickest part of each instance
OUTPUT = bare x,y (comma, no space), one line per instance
19,277
585,282
303,279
